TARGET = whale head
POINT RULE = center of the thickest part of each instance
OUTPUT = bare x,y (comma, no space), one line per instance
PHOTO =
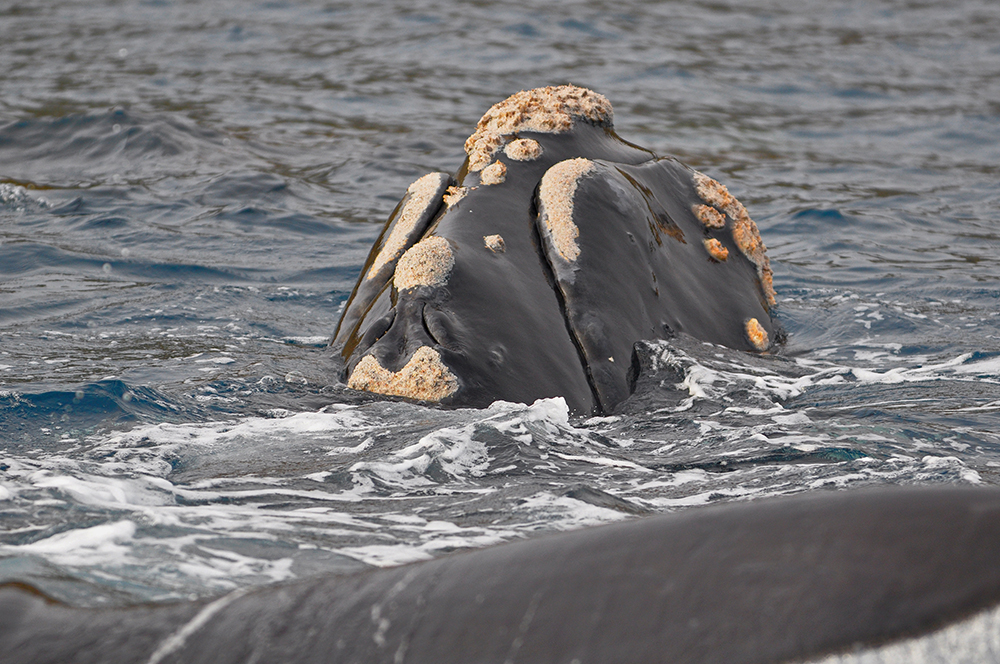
535,269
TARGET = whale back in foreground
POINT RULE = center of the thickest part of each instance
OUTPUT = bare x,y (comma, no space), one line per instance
781,580
535,270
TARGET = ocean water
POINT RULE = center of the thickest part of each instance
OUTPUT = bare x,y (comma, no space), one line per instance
188,192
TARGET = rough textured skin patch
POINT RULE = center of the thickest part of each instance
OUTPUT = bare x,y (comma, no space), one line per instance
495,173
424,377
555,194
716,250
421,197
709,216
523,149
603,252
427,263
757,334
494,243
748,239
713,192
453,195
745,231
550,110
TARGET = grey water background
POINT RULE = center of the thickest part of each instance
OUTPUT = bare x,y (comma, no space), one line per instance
188,191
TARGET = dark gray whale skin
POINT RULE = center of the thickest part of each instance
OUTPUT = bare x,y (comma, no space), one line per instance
520,325
778,580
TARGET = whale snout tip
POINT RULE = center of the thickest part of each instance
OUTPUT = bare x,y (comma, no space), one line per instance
424,377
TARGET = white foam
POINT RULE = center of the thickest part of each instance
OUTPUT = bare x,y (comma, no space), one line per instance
674,480
230,564
975,640
229,503
566,513
18,198
435,537
602,461
707,380
988,367
83,546
705,497
104,491
453,449
215,433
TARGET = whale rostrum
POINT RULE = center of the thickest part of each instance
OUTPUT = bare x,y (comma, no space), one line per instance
535,269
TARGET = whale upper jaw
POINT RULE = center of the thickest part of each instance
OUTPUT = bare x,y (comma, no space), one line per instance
534,271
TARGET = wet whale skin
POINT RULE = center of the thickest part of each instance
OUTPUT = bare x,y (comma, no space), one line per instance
524,323
775,580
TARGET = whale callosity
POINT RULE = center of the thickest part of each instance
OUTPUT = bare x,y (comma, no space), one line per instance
535,269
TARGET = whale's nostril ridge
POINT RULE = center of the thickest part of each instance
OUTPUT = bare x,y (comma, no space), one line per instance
427,329
402,360
397,336
376,332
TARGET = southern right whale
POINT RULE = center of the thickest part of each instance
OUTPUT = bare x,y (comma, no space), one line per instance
777,580
535,269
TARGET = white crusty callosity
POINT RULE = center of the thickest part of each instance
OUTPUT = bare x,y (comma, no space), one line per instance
550,110
745,231
715,249
495,173
709,216
427,263
424,377
555,194
452,195
757,334
523,149
421,196
494,243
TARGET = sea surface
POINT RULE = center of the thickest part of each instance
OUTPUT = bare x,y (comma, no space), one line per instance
188,191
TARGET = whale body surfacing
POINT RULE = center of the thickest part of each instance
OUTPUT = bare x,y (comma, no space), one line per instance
534,270
860,576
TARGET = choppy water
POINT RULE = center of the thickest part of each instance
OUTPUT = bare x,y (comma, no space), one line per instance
188,191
